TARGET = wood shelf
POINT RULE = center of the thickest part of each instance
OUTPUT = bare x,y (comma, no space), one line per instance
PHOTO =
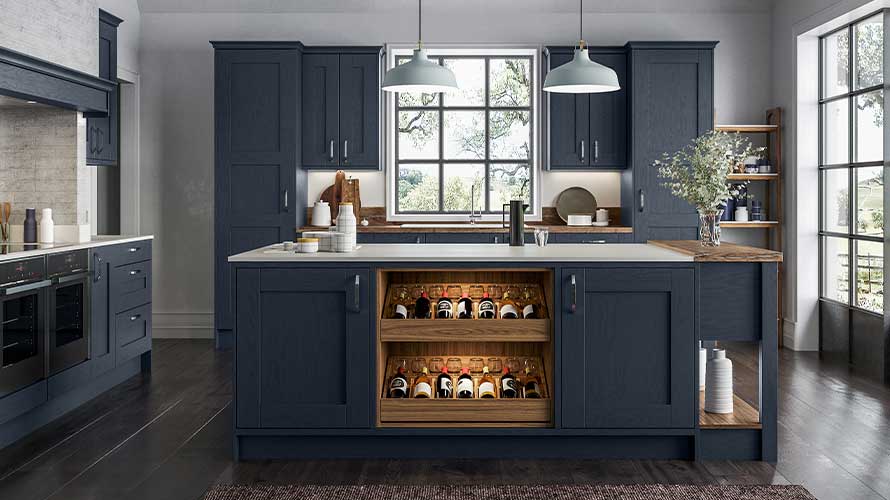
753,177
750,224
465,330
744,416
747,129
466,412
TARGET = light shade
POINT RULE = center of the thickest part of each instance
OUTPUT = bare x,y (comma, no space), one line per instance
581,76
419,75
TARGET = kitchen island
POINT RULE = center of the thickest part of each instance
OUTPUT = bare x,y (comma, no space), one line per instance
610,347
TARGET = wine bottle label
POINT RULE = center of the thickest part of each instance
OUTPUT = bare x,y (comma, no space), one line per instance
509,311
486,309
401,311
465,385
486,389
462,309
398,387
528,310
444,309
445,387
422,390
508,385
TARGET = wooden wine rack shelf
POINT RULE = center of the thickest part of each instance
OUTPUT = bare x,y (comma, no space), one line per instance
465,330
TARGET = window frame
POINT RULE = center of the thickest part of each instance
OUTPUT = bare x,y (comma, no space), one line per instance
852,237
488,53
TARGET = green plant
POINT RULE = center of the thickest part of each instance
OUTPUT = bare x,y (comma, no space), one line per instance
698,172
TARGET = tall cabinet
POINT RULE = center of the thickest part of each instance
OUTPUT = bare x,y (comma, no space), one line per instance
260,193
671,103
103,131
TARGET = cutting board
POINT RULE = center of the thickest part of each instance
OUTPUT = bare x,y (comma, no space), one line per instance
348,191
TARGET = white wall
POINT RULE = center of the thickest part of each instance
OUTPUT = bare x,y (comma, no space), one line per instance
177,97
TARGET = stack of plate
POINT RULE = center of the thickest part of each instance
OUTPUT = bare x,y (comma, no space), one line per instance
718,383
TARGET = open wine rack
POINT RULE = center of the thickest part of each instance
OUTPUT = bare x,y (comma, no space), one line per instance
416,339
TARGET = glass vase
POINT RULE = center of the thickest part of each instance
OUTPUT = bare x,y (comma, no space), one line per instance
709,226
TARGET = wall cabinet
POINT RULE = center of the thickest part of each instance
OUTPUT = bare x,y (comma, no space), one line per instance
623,369
103,132
589,131
672,103
341,108
303,345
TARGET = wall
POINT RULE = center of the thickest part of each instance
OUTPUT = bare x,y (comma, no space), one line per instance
177,98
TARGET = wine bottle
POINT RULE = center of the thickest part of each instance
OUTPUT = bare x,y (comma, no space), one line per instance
508,384
422,306
399,309
531,384
465,307
444,387
486,307
398,384
444,308
509,310
465,384
486,385
422,386
530,310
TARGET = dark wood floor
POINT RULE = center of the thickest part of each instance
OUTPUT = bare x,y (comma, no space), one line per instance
166,436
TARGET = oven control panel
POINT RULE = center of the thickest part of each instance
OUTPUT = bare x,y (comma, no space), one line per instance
59,264
21,271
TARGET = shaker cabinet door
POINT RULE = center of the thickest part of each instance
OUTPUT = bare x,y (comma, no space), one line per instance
628,348
303,344
569,121
359,110
321,111
608,118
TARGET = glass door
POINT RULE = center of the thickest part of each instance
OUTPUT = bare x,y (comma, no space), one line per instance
69,315
22,335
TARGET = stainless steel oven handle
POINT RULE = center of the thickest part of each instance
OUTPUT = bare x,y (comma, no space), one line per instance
69,279
25,288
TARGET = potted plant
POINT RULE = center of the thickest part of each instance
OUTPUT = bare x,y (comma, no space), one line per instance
699,172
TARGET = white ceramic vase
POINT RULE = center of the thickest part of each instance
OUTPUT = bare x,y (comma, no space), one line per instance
47,229
718,383
346,224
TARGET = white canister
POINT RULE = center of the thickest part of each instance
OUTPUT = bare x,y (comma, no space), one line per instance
741,214
307,245
321,214
602,215
46,231
325,239
346,224
702,366
342,242
718,386
579,220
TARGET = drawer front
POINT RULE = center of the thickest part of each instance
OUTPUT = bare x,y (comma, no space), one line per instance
133,332
390,238
128,253
130,286
588,238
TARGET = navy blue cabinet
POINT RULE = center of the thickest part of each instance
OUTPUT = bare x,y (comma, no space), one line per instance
303,345
260,190
417,238
103,131
101,334
621,368
589,131
341,108
672,103
589,238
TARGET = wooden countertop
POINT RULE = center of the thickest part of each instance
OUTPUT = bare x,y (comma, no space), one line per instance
726,252
395,228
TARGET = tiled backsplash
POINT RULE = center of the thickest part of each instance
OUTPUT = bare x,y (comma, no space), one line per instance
43,163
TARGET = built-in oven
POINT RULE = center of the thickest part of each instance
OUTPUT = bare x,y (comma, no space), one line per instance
69,327
23,295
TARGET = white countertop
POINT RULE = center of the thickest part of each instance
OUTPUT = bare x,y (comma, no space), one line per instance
617,252
61,246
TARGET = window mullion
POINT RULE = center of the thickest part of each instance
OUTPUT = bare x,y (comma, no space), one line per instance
487,181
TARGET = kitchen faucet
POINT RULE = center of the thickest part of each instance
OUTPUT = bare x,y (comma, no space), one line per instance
473,214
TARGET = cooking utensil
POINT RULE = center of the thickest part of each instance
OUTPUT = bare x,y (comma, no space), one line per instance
575,200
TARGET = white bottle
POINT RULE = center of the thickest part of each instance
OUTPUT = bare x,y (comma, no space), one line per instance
46,231
346,224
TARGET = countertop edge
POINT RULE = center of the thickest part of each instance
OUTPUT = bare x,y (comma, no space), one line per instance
726,252
100,241
470,229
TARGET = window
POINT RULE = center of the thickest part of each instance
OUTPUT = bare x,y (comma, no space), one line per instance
478,141
851,176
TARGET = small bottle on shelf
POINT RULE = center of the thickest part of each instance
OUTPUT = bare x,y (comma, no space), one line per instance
486,385
398,384
400,311
465,307
422,306
509,307
444,308
508,384
486,307
530,309
465,384
444,385
422,386
531,382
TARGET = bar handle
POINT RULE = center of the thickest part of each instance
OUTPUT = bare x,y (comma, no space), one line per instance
133,249
357,296
135,317
286,204
582,150
26,288
331,155
134,272
345,150
596,242
596,150
574,294
97,265
642,200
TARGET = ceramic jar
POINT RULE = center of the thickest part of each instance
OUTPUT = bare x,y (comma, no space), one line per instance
346,224
307,245
321,214
718,383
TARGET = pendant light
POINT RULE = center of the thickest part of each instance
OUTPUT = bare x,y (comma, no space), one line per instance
581,75
419,75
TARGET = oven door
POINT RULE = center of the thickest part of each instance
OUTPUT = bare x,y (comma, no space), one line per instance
69,328
22,334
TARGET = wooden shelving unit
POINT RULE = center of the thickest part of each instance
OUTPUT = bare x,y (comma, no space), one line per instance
744,416
774,189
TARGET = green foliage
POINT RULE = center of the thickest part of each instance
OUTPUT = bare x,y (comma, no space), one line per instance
698,173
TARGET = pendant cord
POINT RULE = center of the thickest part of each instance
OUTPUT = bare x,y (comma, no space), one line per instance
581,24
419,25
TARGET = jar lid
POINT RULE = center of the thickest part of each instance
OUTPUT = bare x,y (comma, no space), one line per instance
307,240
346,203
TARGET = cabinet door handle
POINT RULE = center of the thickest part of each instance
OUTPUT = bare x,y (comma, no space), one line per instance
596,150
345,150
582,150
97,264
357,298
135,317
135,272
99,147
286,208
331,154
595,242
642,200
496,240
133,249
574,295
417,240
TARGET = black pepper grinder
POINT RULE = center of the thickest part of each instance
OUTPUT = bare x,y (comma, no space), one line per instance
517,221
30,225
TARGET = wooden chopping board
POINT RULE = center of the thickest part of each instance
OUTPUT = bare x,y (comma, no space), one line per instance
349,192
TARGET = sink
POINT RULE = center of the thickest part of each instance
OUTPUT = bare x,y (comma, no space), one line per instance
451,225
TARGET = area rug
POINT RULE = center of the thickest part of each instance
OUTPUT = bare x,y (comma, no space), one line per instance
533,492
